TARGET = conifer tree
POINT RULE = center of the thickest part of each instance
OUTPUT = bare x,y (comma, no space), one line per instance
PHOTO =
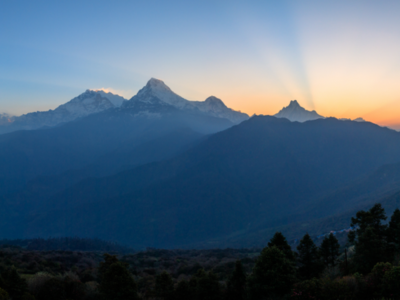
164,286
4,295
273,275
370,238
14,284
308,258
281,243
208,287
394,232
116,281
184,291
329,250
236,285
105,265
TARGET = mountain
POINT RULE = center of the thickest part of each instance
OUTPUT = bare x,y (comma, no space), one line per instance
6,119
263,173
94,101
156,90
294,112
87,103
102,143
359,120
114,99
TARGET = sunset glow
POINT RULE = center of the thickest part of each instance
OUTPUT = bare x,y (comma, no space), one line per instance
340,58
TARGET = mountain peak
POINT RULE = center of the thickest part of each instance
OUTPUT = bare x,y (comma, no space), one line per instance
155,83
213,99
294,112
156,92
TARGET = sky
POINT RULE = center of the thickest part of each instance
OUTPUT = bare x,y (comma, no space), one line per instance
340,58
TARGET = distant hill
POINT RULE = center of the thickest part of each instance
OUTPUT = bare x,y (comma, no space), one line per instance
249,179
68,244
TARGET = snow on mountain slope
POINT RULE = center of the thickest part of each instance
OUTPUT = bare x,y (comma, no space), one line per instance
294,112
117,100
156,91
89,102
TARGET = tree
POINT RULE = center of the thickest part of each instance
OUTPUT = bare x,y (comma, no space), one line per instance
164,287
14,284
184,291
308,258
236,285
54,288
208,287
391,282
370,238
329,250
116,281
105,265
394,232
273,275
3,295
372,218
279,241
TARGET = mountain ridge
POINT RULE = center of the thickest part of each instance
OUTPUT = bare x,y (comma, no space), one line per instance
85,104
233,181
154,93
156,90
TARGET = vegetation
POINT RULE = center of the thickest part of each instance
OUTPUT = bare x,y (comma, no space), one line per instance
366,268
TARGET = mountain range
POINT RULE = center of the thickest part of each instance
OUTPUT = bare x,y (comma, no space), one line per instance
161,171
229,189
92,102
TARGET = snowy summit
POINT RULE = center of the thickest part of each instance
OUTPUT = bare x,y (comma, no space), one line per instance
157,92
294,112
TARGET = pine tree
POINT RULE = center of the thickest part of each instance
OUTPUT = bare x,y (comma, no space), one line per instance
4,295
394,232
273,275
281,243
329,250
308,258
116,281
52,289
105,265
370,238
164,287
14,284
208,287
184,291
236,285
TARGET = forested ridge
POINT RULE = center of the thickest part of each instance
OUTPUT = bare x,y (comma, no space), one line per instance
366,267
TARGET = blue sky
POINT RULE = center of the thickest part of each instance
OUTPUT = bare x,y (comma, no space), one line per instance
338,57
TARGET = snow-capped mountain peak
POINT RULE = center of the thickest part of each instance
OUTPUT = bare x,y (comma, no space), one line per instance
158,84
294,103
294,112
156,92
215,103
115,99
85,104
